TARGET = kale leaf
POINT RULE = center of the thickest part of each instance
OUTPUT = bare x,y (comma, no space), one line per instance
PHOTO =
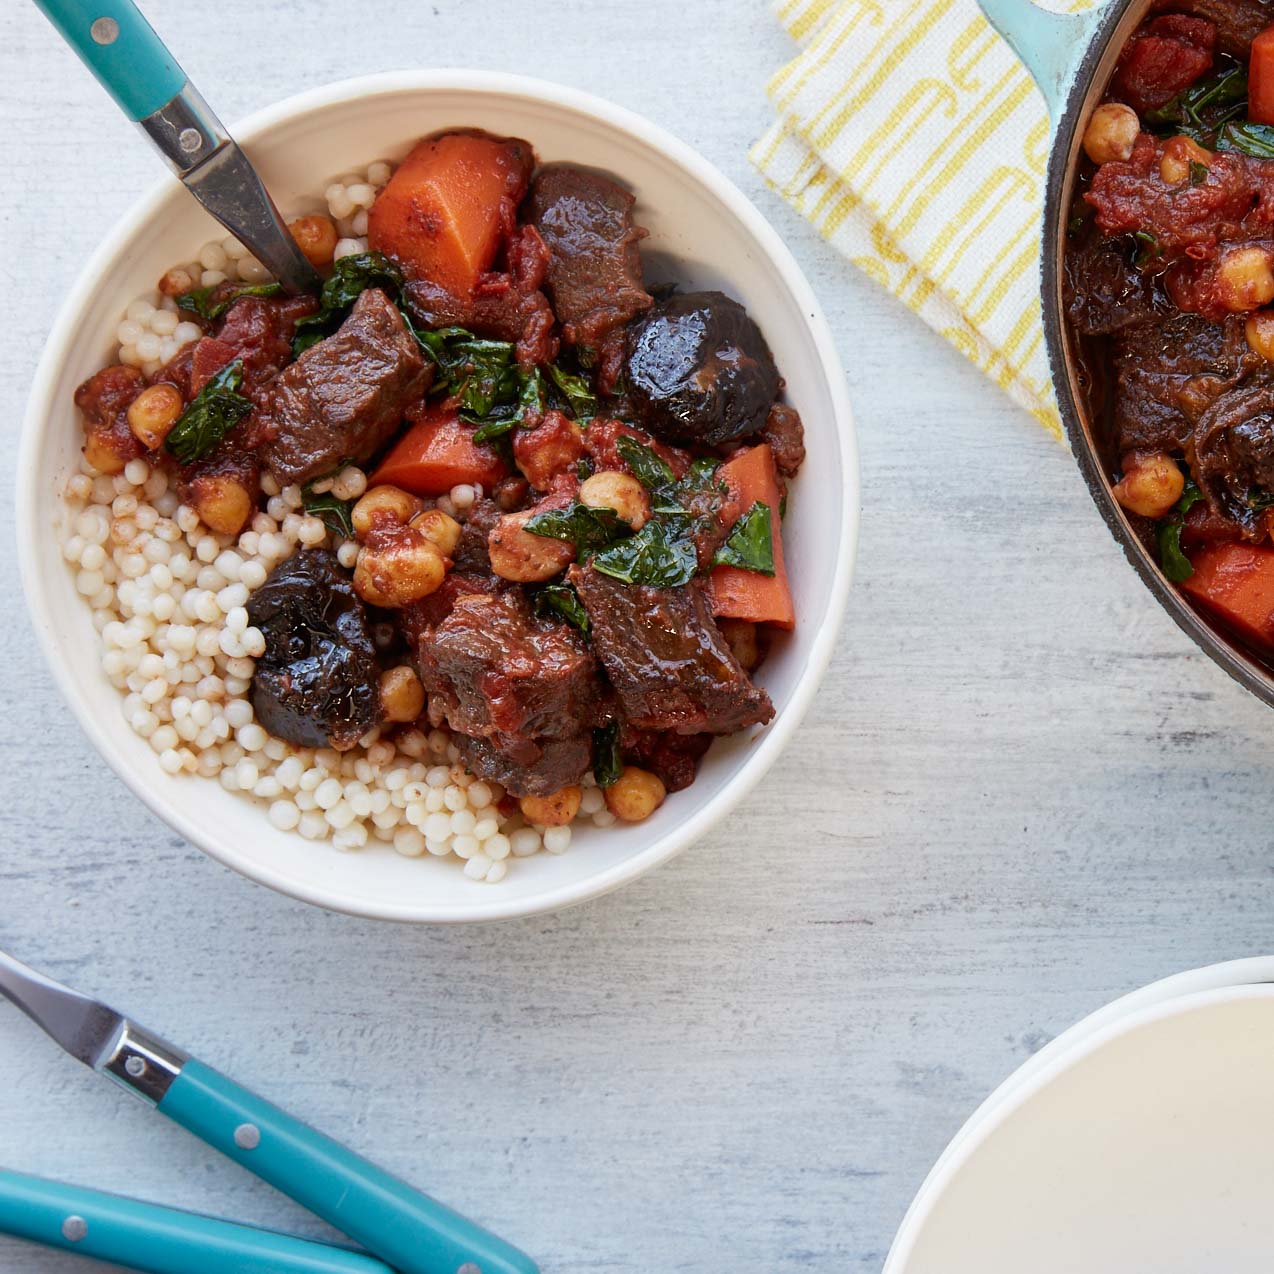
587,528
653,556
751,542
337,514
1204,107
217,408
349,278
563,601
645,462
1176,566
608,765
199,301
1256,140
577,392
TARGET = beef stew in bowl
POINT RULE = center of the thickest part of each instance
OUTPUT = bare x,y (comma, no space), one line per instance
483,541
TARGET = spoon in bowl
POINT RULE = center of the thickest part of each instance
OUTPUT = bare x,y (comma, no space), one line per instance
131,62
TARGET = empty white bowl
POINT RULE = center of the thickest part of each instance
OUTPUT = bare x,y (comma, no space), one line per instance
704,233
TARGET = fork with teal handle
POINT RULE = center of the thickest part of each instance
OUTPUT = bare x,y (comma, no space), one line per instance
409,1231
130,61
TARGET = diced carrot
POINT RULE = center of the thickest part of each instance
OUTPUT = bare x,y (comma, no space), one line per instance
1260,79
1234,583
445,210
209,357
738,594
438,453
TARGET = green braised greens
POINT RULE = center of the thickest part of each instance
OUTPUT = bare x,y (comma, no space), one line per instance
216,409
563,601
659,556
337,514
751,542
1176,566
1204,107
577,392
589,529
351,276
609,764
199,301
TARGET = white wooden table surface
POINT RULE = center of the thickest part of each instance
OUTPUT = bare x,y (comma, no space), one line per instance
1021,791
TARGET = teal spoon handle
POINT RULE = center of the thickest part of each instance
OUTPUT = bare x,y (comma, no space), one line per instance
118,45
160,1240
413,1233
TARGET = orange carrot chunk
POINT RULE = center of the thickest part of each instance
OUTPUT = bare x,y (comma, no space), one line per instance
438,453
1234,583
1260,79
445,210
738,594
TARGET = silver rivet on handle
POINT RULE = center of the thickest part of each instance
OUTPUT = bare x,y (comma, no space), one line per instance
247,1136
469,1268
74,1228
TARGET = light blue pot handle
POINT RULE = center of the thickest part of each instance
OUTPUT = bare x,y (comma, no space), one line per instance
145,1236
412,1232
118,45
1050,45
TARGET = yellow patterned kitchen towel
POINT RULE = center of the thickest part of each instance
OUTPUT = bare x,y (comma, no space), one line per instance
916,143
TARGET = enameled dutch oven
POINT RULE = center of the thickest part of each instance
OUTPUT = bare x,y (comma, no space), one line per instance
1071,57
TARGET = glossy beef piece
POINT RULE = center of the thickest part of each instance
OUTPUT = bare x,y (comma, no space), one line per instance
594,271
673,757
1103,291
345,396
1234,454
1237,22
504,673
698,370
507,305
417,619
1168,374
317,683
177,371
259,332
1235,201
1163,57
528,767
786,436
1202,527
104,399
666,658
471,552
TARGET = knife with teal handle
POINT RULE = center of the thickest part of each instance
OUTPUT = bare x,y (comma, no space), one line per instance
160,1240
408,1230
130,61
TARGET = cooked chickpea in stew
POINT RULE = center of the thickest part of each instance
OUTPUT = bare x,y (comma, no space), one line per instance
1169,293
481,542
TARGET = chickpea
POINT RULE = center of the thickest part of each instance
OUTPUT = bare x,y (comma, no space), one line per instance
611,489
552,811
635,795
1259,330
1151,485
398,568
1245,279
402,697
389,504
222,501
1111,133
316,237
1178,155
153,413
740,636
523,556
176,282
441,531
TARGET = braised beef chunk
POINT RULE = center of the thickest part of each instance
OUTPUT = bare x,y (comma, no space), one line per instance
317,683
698,370
471,552
504,673
1103,290
1237,22
528,767
1234,453
1167,374
345,396
259,331
667,660
594,270
786,435
673,757
1163,57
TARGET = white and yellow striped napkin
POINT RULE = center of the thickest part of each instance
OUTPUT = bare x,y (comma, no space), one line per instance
916,143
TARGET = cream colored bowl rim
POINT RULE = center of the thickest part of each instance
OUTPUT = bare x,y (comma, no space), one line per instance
768,746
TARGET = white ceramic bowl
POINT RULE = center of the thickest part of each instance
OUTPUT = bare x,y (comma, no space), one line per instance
1139,1147
704,233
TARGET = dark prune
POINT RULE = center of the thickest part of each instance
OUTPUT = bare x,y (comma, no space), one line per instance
317,684
698,370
